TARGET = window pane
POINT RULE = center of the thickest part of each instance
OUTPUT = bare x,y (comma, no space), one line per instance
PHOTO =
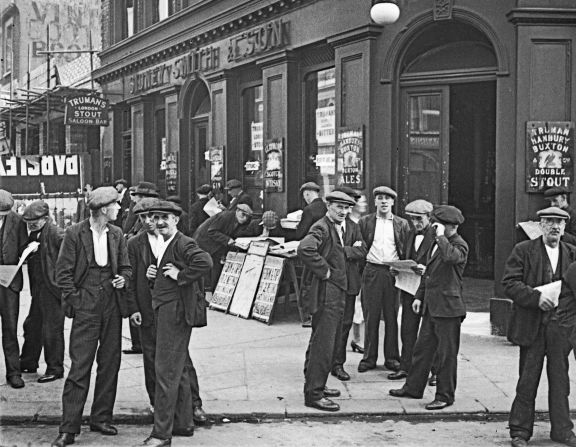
253,116
163,9
129,17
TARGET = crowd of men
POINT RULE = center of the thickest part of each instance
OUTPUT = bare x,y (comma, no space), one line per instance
135,255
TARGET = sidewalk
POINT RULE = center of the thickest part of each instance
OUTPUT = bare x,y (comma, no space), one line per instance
249,370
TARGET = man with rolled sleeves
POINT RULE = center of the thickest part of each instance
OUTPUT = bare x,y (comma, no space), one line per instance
535,328
322,253
179,305
92,271
197,214
439,298
13,239
44,326
314,210
385,235
420,239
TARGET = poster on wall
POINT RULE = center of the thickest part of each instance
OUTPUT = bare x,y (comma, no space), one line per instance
172,173
274,165
550,155
257,136
325,125
350,153
216,158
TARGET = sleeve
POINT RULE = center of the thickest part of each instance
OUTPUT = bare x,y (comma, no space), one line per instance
131,287
356,253
308,251
452,252
196,264
304,224
513,281
216,231
65,266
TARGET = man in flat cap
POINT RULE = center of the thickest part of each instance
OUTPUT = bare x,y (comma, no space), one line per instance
323,255
44,326
420,238
439,299
184,220
558,197
385,235
216,236
131,226
197,214
236,195
534,327
179,305
314,210
13,239
92,271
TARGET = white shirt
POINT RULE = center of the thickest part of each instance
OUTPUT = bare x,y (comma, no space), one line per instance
341,228
154,241
162,246
418,241
383,248
553,255
100,242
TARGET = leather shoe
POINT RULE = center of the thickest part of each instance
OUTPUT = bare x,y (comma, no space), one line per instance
570,439
437,405
433,380
189,431
403,392
323,404
155,442
63,439
16,382
517,441
356,347
398,375
363,367
199,415
103,427
340,374
132,351
49,378
331,392
392,365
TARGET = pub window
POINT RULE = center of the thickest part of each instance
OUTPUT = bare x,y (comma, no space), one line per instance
7,46
129,15
127,145
319,127
253,143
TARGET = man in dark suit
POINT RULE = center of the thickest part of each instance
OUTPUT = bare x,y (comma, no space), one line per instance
534,327
237,195
314,210
13,239
420,239
92,271
322,253
439,298
197,214
179,305
385,235
82,210
44,326
124,200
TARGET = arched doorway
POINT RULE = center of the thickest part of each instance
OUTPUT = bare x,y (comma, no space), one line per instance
447,130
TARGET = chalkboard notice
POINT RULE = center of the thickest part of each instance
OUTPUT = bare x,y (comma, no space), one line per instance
247,284
268,289
227,282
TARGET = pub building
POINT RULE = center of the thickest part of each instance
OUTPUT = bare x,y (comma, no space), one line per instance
464,102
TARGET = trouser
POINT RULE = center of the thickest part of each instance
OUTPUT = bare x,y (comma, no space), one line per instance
135,337
339,356
9,307
173,397
438,342
325,322
379,296
96,334
550,343
214,274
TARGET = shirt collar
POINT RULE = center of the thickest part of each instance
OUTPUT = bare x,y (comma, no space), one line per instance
385,218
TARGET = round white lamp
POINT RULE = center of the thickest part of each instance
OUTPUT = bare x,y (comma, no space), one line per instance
385,12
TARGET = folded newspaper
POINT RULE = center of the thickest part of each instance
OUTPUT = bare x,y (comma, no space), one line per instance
8,272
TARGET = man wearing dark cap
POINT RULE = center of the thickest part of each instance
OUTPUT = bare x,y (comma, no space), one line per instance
558,197
323,255
44,326
131,226
237,195
92,271
184,220
124,200
534,327
179,305
314,210
197,214
420,239
439,299
13,239
385,235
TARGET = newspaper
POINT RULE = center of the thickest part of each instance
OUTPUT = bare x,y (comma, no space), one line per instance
211,208
406,280
8,272
531,228
244,242
551,290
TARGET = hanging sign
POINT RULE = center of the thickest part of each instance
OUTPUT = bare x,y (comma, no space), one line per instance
550,155
86,110
172,173
274,166
216,154
325,125
350,154
257,136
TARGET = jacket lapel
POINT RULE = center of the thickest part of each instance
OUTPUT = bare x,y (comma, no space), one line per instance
87,241
112,250
145,249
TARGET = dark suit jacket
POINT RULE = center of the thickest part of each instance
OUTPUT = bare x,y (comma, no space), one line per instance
243,197
14,240
184,223
401,230
524,271
441,286
138,290
82,211
51,238
321,251
214,234
197,215
124,208
355,256
311,213
76,255
420,255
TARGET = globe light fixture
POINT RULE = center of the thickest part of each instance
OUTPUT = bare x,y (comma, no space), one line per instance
384,12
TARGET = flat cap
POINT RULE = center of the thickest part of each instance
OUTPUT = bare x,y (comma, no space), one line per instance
6,202
349,191
175,199
144,205
340,197
245,208
553,212
145,189
233,183
269,220
419,207
105,195
165,207
204,189
310,186
384,190
448,214
35,210
552,192
121,181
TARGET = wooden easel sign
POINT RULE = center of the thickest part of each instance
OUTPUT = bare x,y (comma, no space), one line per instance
268,289
227,282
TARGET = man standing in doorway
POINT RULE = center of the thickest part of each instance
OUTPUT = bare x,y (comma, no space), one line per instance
124,200
237,195
197,214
